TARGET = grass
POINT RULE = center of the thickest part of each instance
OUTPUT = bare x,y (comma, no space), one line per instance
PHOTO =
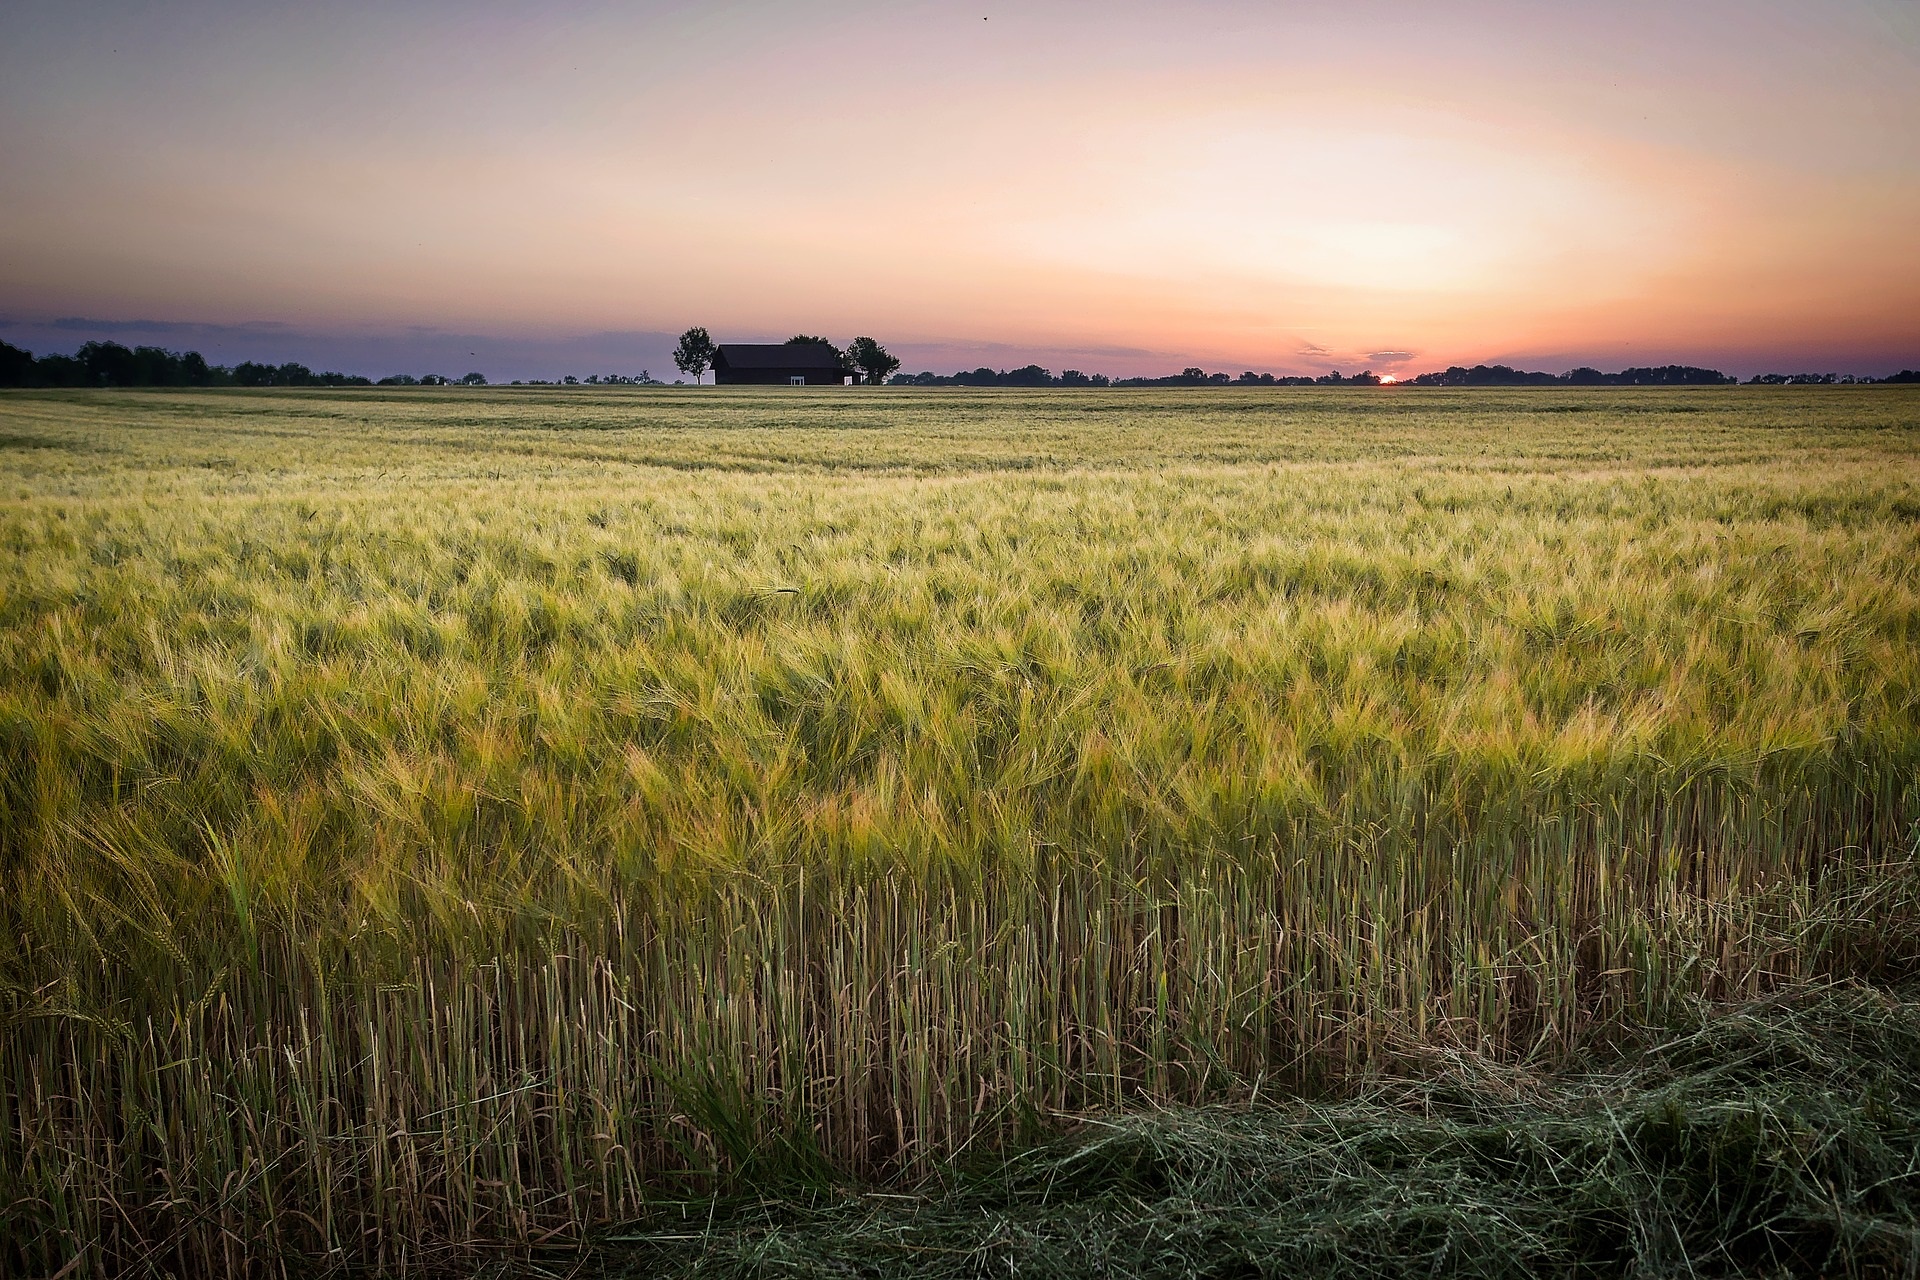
1773,1139
440,819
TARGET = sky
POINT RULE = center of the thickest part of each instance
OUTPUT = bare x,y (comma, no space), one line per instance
532,190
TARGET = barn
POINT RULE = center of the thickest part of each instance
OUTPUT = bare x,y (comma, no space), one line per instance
777,364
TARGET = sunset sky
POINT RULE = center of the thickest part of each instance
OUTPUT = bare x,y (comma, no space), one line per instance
532,190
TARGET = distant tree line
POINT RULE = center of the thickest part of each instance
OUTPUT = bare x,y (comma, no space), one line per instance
1480,375
1826,379
1499,375
109,364
1034,376
424,380
644,378
1671,375
1192,377
1028,376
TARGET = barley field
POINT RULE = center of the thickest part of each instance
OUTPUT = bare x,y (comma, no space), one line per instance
443,818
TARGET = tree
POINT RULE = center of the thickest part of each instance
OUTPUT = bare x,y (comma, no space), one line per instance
60,371
16,366
108,364
843,360
695,353
870,358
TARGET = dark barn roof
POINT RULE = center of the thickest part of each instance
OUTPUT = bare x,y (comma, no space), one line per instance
778,355
777,362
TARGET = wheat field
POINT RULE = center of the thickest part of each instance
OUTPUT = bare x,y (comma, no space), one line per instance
438,818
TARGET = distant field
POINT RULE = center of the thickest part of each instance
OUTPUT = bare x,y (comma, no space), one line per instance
445,816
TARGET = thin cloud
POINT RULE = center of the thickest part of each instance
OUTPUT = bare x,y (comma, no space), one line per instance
88,324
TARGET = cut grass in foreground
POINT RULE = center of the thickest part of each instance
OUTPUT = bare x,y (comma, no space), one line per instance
1779,1138
441,819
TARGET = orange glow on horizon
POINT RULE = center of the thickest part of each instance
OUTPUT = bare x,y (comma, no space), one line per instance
1388,188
